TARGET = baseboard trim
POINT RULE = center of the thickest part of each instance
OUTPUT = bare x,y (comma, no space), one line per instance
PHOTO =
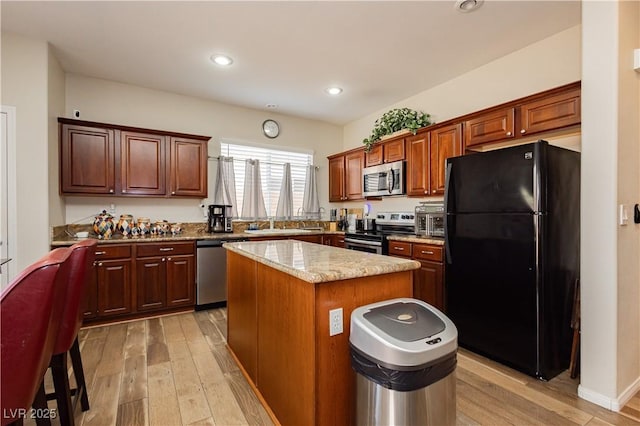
613,404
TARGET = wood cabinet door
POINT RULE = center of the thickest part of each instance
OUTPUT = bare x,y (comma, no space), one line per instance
90,306
374,157
114,287
354,162
445,142
151,283
181,280
428,283
87,160
394,151
188,167
143,165
491,127
337,241
550,113
418,165
336,179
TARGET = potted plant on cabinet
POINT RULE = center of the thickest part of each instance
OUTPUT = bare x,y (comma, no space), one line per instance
396,120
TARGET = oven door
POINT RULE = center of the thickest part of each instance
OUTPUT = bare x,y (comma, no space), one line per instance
374,247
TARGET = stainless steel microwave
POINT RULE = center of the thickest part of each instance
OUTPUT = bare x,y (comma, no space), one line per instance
385,179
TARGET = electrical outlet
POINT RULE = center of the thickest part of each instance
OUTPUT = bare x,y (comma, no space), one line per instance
335,322
112,209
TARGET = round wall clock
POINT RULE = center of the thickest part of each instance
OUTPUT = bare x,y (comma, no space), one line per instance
270,128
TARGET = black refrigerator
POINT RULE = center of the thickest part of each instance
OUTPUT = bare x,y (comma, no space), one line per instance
512,254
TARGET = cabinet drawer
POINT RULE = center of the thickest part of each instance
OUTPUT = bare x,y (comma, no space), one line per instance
119,251
162,249
399,248
427,252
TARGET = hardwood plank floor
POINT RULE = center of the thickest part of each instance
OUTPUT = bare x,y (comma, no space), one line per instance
176,370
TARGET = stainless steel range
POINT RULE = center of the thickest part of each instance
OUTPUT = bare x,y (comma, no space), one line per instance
390,223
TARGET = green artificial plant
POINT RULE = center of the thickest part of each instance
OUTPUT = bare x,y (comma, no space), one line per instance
395,120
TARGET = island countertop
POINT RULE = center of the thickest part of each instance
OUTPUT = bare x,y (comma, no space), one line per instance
316,263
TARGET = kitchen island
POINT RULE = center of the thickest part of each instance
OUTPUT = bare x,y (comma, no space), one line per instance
278,302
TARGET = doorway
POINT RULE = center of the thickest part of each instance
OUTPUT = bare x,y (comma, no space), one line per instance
7,192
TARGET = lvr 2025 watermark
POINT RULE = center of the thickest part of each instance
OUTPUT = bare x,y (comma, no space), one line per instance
29,413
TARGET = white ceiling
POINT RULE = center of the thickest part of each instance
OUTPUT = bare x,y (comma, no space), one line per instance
286,52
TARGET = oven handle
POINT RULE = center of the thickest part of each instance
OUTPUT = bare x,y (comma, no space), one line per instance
363,243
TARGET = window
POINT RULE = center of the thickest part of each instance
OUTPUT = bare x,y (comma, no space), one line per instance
271,170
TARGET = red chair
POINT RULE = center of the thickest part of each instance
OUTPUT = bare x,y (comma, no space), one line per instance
30,309
81,266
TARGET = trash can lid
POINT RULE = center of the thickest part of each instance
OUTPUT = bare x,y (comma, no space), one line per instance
402,333
407,322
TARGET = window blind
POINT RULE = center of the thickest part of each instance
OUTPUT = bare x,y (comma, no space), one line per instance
271,171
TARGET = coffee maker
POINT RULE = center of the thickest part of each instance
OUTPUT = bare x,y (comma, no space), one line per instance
219,218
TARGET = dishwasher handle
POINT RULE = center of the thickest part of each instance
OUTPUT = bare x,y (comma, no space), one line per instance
218,243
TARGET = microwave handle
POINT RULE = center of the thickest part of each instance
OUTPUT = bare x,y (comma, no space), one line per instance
390,180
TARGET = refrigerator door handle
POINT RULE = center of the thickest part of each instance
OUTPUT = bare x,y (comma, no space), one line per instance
447,249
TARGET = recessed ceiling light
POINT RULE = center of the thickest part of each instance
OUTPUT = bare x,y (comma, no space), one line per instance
222,60
465,6
334,90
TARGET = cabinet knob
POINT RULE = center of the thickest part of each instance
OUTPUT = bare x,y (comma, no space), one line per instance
98,253
173,192
426,252
99,263
399,248
508,133
523,131
169,259
124,190
111,191
163,259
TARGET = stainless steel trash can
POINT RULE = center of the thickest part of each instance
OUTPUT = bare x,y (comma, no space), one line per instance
404,354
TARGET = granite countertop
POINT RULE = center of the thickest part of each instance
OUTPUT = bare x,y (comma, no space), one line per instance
187,235
316,263
416,239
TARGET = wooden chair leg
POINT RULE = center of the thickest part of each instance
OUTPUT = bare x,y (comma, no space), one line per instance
41,407
63,393
78,371
575,349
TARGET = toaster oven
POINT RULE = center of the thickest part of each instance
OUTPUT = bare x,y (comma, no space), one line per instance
429,219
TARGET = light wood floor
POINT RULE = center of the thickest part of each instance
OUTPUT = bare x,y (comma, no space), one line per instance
175,370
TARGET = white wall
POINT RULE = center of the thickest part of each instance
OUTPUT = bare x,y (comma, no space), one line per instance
543,65
25,86
610,346
111,102
55,98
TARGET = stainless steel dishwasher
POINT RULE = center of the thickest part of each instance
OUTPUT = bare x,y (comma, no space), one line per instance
211,282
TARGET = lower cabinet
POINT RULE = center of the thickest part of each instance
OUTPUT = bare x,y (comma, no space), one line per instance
135,278
165,275
110,289
428,280
335,240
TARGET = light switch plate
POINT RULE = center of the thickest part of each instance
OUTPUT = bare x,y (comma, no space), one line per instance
624,215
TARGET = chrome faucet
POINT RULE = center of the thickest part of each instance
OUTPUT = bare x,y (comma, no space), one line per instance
271,222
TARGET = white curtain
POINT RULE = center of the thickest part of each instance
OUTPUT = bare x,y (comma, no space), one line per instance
285,201
310,203
225,189
252,200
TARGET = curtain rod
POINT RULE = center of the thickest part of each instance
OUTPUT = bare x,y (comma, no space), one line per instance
263,162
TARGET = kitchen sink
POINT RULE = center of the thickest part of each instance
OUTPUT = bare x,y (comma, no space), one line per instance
277,231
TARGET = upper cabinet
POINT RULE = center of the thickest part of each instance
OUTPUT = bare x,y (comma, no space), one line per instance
386,152
445,142
417,170
544,112
87,157
345,176
426,155
104,159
